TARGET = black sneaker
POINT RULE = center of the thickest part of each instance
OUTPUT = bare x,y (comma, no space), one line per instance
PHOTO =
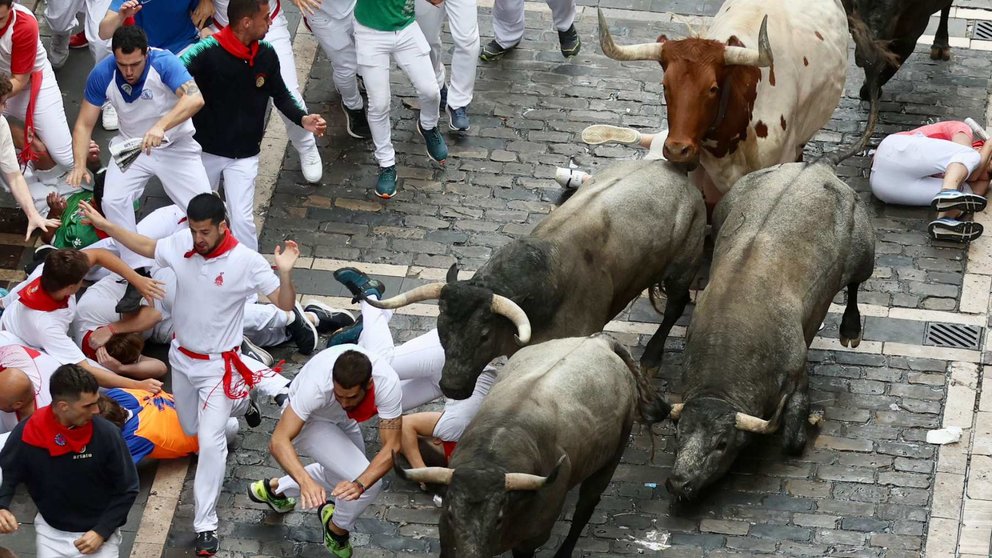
253,416
207,543
303,333
329,319
356,123
131,301
359,284
250,349
570,42
39,257
444,98
492,51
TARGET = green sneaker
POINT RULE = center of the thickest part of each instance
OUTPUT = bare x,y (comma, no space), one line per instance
259,491
326,512
436,148
385,185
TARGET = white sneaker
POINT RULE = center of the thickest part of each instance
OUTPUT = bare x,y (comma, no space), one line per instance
570,178
312,166
109,118
58,50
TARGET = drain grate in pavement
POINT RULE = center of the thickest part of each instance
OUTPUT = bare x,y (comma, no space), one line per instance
956,336
983,30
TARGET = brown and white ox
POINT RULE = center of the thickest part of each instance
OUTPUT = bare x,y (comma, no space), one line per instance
750,92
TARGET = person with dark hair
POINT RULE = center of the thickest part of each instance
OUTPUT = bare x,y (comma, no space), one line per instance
35,97
332,395
172,25
238,74
154,95
77,470
42,309
211,378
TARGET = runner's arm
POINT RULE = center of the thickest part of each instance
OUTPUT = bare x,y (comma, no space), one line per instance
190,102
133,241
390,435
415,426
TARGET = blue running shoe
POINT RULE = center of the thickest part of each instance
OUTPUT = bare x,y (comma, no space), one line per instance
436,148
458,119
954,230
385,185
950,200
346,335
359,284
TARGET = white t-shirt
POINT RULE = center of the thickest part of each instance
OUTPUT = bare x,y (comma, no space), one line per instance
97,306
38,367
210,293
311,395
8,155
44,330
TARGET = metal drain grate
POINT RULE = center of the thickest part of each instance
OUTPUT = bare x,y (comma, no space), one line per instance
983,30
957,336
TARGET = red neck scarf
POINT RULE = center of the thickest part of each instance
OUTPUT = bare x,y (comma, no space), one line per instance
35,298
43,430
366,409
226,245
226,39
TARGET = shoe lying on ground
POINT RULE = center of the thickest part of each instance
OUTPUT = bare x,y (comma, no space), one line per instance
492,51
346,335
253,416
338,550
570,178
108,118
131,301
259,491
302,332
954,230
329,319
570,42
604,133
458,119
311,165
950,200
436,148
385,185
356,123
358,283
207,543
250,349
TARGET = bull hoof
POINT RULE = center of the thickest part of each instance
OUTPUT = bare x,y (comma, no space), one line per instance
853,343
940,53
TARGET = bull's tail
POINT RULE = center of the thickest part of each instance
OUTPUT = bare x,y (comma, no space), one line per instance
651,406
877,55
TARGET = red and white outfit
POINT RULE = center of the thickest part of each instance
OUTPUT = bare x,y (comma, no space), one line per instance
21,52
278,36
37,366
210,378
95,309
39,321
61,17
331,435
332,24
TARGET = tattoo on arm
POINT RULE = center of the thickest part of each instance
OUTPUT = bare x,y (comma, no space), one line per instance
390,424
190,88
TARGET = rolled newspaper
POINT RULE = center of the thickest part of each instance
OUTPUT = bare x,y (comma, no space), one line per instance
124,152
979,130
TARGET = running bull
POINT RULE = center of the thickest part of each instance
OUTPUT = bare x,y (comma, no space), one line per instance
752,90
558,416
633,226
789,238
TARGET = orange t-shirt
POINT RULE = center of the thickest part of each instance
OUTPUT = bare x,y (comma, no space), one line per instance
153,429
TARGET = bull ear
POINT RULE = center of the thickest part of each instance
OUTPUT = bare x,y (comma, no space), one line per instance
452,273
662,39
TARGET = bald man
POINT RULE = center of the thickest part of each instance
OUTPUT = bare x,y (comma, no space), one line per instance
24,374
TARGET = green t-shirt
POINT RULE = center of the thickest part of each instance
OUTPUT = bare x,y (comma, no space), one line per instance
385,15
72,233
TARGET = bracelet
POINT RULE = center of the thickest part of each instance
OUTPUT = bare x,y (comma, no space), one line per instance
360,485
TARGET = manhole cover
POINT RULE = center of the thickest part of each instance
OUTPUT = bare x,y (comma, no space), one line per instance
983,30
957,336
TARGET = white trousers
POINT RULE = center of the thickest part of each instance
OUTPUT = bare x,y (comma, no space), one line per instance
333,26
49,116
905,169
265,324
179,167
278,37
204,409
508,19
339,455
52,543
463,23
239,192
459,412
412,54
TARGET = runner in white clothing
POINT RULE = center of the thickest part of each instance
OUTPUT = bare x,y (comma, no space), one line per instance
154,97
211,380
463,23
24,375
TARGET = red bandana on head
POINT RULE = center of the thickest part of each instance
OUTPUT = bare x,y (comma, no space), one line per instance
225,246
366,409
233,45
35,298
45,431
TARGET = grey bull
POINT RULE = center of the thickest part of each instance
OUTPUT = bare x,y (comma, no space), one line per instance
558,416
633,226
789,239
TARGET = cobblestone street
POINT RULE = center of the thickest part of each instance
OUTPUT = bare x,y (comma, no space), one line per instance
868,484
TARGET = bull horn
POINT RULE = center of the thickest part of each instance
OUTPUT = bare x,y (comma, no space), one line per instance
452,275
760,57
506,307
430,291
676,411
749,423
524,481
644,51
429,475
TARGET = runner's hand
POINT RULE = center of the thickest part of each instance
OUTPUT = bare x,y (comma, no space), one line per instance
315,123
346,490
36,221
153,138
78,176
308,7
129,8
203,12
100,337
107,361
311,494
152,385
89,543
93,216
286,259
151,289
8,523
